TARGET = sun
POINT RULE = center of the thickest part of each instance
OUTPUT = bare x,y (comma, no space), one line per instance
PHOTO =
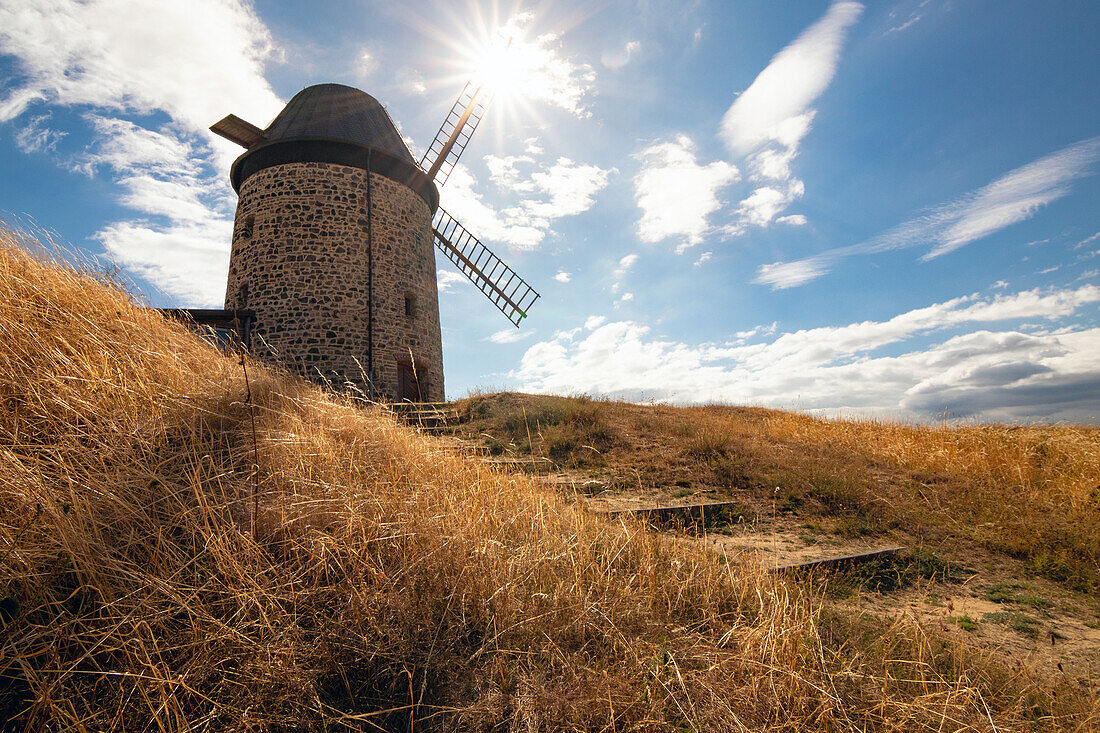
497,66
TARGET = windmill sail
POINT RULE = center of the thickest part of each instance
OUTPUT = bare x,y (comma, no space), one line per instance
455,133
508,291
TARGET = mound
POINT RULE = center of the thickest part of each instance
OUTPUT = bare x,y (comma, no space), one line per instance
193,542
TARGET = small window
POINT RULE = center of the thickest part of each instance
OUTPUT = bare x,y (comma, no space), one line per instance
242,296
246,228
410,305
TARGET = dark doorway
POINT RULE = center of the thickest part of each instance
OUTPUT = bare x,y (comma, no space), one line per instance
409,388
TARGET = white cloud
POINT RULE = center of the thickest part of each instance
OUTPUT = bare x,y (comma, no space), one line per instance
509,336
776,106
624,266
768,120
445,280
794,220
1012,198
511,225
676,194
36,137
186,59
994,374
593,322
1087,240
126,57
545,194
563,276
703,258
186,259
763,204
626,298
912,19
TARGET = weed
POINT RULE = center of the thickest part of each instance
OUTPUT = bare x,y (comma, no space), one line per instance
964,622
1020,622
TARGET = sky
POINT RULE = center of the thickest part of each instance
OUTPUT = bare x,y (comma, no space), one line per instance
881,209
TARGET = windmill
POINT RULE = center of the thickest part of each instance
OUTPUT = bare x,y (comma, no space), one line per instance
332,241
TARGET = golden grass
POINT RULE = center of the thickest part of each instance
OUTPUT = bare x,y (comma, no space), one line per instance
385,587
1030,491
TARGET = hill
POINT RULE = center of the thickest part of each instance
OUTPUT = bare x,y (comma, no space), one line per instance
192,541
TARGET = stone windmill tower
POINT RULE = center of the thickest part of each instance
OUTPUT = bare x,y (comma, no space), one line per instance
332,242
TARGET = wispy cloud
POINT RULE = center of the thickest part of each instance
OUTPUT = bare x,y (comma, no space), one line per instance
1005,374
37,137
1010,199
1087,240
676,194
563,276
768,120
776,106
509,336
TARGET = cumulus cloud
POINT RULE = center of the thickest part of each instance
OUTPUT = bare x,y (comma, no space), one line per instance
445,280
676,194
541,193
1007,375
1012,198
563,276
125,57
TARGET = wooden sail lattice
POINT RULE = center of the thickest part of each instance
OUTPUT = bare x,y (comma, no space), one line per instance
455,132
505,289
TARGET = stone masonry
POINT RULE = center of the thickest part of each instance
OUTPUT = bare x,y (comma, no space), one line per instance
299,260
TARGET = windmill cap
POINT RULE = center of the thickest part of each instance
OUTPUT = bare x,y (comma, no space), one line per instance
335,123
339,112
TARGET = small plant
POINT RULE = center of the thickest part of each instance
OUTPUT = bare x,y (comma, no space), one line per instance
1019,622
964,622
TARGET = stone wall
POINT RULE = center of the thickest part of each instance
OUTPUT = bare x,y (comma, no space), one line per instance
299,260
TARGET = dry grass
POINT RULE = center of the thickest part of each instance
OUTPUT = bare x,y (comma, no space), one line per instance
1032,492
385,587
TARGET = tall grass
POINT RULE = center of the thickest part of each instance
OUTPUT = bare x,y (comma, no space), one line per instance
1030,491
381,585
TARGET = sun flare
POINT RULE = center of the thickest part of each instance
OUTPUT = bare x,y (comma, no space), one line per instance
495,67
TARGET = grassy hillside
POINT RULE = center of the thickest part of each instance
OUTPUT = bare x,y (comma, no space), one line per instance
1030,492
193,543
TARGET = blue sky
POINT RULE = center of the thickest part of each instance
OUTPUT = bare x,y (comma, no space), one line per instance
882,209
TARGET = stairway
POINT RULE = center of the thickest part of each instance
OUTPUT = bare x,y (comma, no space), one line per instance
430,417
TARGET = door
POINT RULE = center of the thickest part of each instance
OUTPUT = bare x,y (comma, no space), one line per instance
408,388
